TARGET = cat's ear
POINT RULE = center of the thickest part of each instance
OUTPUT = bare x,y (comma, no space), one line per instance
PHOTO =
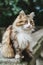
32,14
22,13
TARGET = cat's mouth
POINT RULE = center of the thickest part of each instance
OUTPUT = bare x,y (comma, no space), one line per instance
29,28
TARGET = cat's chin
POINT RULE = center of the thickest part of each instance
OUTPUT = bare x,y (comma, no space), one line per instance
33,30
28,30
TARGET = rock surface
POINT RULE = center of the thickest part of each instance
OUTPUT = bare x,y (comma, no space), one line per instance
12,61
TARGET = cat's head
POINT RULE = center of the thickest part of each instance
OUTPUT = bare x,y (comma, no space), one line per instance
24,22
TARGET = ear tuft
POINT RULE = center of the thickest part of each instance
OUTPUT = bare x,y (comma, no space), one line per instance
22,12
32,14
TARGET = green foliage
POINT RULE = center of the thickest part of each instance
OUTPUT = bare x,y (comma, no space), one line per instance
9,9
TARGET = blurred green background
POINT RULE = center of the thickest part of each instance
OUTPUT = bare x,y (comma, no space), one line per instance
9,10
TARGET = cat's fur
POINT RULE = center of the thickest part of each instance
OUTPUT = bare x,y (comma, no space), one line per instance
7,49
20,35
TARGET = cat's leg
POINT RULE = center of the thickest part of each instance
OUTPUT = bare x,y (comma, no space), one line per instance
18,51
19,54
29,51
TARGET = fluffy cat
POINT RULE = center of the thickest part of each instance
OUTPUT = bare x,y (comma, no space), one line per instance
22,27
20,35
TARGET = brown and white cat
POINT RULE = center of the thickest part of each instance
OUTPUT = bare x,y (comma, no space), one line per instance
20,34
23,27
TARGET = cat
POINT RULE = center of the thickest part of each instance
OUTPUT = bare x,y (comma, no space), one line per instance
22,27
20,34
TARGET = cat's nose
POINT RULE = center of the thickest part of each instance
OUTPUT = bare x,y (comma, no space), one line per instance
29,26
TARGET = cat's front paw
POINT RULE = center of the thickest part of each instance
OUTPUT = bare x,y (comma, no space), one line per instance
17,56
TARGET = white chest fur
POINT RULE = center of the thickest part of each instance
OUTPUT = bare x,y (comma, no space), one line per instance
24,39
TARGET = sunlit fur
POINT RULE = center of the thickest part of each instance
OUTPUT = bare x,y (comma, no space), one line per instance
7,50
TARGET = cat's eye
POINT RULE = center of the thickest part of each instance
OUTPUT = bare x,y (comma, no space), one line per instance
20,21
31,22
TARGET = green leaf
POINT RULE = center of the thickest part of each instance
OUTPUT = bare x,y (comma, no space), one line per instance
6,2
7,13
11,2
16,1
16,9
1,4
